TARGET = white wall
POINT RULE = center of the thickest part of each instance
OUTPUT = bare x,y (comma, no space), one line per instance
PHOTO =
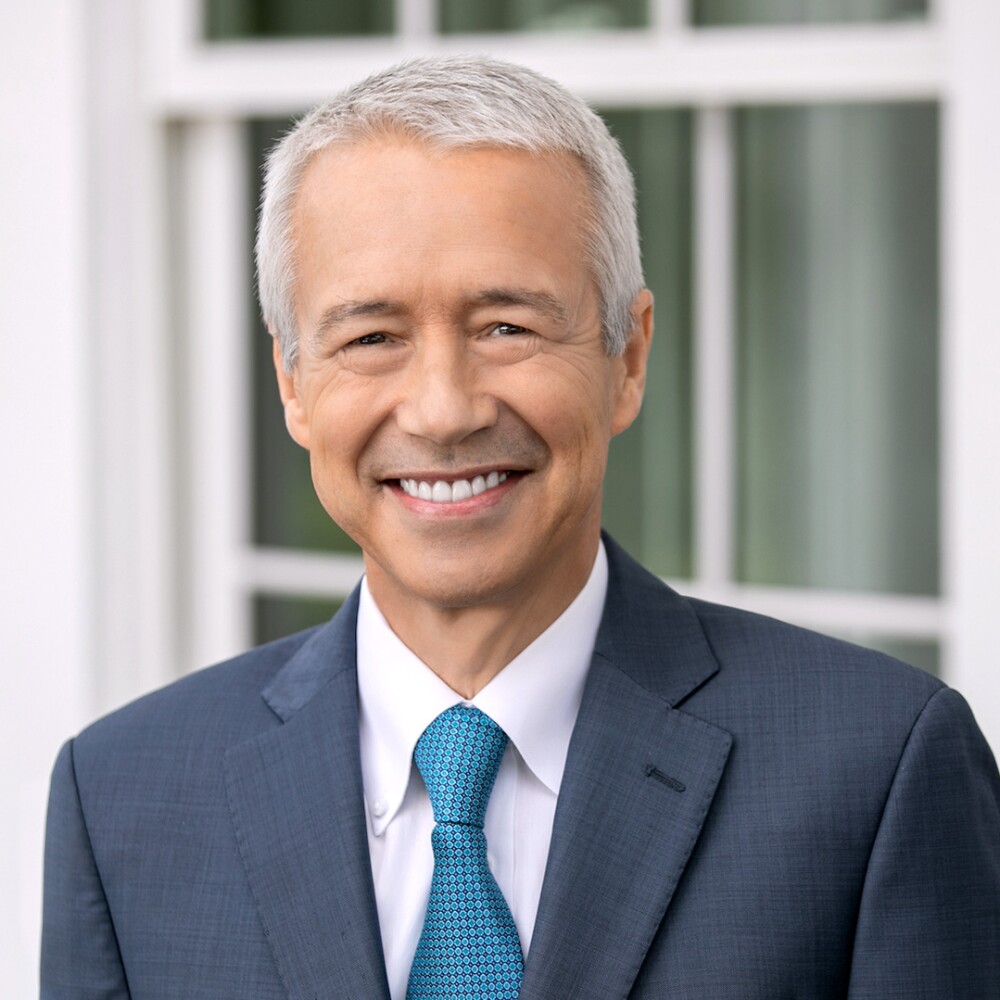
971,359
45,436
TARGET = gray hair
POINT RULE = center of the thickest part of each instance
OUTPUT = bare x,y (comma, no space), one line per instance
457,102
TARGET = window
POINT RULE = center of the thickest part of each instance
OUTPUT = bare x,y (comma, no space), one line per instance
794,450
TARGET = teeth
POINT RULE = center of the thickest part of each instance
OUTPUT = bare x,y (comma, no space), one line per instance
445,492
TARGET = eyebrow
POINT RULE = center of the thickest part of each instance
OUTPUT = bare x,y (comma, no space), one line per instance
541,302
354,309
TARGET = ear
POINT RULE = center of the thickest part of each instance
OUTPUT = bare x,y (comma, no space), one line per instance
633,363
296,418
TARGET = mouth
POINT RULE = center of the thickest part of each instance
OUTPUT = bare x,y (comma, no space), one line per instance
454,490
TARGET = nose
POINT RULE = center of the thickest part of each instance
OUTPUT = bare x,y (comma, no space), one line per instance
443,399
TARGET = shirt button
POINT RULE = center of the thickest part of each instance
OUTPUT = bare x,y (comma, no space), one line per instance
492,862
379,808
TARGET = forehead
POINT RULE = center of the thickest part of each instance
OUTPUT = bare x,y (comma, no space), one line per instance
382,153
391,167
394,206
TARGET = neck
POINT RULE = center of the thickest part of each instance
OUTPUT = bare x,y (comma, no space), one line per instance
468,646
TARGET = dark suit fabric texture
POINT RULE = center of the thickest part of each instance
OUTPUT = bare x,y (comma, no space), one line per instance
749,811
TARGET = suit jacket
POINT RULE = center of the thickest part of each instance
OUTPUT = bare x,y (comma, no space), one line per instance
748,811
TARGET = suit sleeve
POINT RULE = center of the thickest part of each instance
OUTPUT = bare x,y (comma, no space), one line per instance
80,956
929,921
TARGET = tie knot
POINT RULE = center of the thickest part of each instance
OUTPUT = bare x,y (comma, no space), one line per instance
458,756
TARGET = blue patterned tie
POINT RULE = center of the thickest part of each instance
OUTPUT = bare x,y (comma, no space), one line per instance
469,946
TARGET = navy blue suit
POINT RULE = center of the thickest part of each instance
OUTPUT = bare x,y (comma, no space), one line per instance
748,811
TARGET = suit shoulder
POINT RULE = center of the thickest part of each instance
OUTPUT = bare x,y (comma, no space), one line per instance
747,655
761,647
225,696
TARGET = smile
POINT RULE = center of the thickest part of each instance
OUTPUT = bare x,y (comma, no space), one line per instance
442,491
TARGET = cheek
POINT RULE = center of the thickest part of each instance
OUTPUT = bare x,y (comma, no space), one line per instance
329,484
346,415
337,437
575,421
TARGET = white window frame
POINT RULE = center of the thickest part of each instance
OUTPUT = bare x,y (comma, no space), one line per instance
193,583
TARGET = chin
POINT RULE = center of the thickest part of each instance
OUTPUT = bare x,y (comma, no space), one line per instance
445,585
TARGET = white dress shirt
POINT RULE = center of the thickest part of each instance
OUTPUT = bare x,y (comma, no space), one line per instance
534,699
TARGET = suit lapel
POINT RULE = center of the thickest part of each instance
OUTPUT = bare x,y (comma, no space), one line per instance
638,784
639,781
298,810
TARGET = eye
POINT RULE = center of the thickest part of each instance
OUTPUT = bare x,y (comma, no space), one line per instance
369,339
507,329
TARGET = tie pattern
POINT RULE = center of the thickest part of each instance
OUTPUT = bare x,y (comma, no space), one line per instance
469,946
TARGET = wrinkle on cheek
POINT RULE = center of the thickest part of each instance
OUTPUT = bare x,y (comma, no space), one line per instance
580,364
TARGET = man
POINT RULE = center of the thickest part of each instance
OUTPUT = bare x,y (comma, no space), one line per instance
689,801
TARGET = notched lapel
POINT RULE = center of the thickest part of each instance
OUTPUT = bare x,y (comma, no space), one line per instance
621,839
640,778
298,811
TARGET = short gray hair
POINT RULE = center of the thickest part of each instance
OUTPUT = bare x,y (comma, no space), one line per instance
454,102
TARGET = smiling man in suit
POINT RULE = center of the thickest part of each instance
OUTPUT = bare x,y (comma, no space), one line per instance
514,764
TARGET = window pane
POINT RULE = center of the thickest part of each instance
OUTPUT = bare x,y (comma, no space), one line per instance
838,316
228,20
459,16
718,12
285,509
647,495
274,617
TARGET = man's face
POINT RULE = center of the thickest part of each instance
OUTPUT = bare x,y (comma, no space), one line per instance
451,386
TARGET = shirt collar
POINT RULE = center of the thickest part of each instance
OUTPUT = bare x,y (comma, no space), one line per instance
534,699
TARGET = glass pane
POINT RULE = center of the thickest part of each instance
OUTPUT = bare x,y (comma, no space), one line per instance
229,20
718,12
647,495
285,509
838,318
274,617
459,16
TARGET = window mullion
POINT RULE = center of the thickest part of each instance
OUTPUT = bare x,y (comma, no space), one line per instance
714,348
416,19
213,267
669,16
